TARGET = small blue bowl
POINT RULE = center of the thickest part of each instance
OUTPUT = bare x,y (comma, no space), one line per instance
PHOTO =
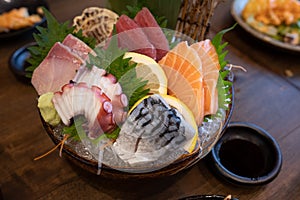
246,155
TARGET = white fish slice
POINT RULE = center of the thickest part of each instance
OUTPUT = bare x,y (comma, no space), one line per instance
57,69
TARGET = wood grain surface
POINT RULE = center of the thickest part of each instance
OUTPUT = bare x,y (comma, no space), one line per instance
264,95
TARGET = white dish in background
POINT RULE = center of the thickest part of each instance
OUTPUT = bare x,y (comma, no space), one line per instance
236,10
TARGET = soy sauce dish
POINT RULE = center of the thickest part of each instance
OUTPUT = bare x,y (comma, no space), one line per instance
18,62
246,154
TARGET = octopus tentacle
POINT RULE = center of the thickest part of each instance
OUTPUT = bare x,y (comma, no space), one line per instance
92,102
109,85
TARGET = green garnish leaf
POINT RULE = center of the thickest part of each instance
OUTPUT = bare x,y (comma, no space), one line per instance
224,96
217,42
125,72
48,36
107,54
111,60
76,129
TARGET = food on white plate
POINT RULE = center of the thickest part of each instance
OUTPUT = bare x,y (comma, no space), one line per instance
273,12
17,18
276,18
96,22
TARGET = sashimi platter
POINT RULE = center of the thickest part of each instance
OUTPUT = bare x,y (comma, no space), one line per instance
122,96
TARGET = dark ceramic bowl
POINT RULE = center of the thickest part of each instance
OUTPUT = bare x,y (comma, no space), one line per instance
247,155
31,5
18,62
183,163
208,197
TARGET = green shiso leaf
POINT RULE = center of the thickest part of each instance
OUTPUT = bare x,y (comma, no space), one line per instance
224,96
75,131
111,60
217,42
48,36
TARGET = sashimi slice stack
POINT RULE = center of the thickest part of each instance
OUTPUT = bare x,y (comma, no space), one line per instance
142,35
60,65
193,73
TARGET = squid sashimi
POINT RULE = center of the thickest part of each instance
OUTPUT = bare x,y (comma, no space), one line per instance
183,69
210,68
57,69
145,20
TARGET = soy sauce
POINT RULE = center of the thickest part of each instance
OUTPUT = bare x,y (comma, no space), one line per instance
243,158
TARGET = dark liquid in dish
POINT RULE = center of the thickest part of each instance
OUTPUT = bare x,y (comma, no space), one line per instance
243,158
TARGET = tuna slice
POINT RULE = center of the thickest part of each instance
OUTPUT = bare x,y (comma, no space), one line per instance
155,35
57,69
77,46
80,99
153,133
132,37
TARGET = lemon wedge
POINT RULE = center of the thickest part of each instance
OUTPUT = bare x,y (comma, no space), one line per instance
187,115
149,69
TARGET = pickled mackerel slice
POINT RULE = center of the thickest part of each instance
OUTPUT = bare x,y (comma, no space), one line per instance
96,22
154,135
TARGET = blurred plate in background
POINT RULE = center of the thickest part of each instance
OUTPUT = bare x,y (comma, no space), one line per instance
31,5
236,11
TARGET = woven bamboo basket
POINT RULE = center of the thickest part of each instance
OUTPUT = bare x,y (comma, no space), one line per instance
194,18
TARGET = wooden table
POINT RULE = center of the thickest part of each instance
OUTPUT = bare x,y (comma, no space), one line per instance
264,96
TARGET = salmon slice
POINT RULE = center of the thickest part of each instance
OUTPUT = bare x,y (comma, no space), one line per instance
211,51
183,69
210,68
57,69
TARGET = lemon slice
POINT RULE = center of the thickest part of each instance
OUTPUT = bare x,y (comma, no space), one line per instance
149,69
187,115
